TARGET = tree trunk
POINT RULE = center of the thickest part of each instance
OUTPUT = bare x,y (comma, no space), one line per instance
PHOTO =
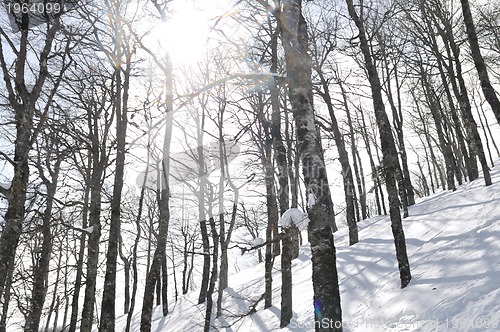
17,196
202,174
408,186
223,279
126,273
223,275
206,262
465,105
173,270
290,245
272,224
429,142
153,277
359,179
163,198
488,91
81,253
224,235
379,198
292,180
407,195
66,282
286,279
108,319
445,146
310,150
344,161
98,153
213,278
487,131
272,217
470,163
92,245
280,153
136,241
223,270
54,305
292,162
389,152
164,280
6,299
24,104
158,286
41,269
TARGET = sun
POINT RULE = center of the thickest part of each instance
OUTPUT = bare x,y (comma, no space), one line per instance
185,34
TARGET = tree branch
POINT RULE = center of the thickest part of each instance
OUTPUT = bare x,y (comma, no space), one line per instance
275,240
4,191
3,154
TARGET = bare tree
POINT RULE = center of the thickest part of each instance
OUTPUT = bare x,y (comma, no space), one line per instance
121,60
389,152
488,91
321,56
157,267
22,96
320,206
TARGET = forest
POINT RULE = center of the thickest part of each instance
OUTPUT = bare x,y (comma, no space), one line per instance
147,147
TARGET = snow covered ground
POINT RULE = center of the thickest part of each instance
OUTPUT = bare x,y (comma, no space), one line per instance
453,241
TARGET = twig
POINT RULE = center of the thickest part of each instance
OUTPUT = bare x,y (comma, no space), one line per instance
276,239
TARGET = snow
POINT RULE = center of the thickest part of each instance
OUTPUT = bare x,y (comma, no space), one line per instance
311,200
453,243
258,241
5,185
294,216
89,229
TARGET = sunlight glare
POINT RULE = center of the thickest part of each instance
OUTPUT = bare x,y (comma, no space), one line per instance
184,35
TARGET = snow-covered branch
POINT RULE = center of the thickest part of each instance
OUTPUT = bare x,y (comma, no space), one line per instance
87,230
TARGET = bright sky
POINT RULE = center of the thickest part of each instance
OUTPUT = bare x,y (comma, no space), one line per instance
187,30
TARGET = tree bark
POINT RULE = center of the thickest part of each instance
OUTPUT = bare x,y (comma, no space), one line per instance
41,269
213,278
24,105
202,175
470,163
348,180
6,299
163,198
389,152
379,198
95,105
223,270
286,279
310,150
359,179
137,239
465,106
445,144
93,242
408,195
488,91
206,262
126,274
81,253
108,319
272,217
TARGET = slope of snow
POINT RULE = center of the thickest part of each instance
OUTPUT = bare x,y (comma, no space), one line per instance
453,242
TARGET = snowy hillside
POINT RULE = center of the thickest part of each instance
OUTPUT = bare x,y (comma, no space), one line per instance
453,241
